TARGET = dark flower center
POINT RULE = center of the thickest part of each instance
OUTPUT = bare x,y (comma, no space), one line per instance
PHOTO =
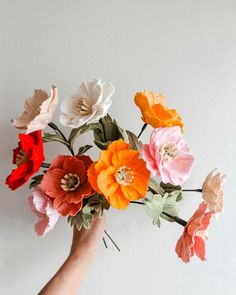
21,158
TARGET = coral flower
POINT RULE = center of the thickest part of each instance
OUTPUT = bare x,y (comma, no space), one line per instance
41,205
28,156
155,112
67,183
39,110
213,190
119,175
193,239
88,105
168,155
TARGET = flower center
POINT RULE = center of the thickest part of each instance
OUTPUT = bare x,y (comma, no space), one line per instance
169,151
124,175
82,107
70,182
21,158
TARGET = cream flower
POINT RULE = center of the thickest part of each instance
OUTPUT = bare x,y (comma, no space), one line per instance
88,105
213,190
39,110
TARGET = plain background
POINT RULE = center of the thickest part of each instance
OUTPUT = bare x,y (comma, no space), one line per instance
184,49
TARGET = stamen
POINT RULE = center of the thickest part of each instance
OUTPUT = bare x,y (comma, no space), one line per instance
124,175
83,107
21,158
169,151
70,182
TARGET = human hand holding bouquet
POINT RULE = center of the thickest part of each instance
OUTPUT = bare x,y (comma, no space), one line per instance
127,171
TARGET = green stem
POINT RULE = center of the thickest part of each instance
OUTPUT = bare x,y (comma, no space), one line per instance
199,190
54,127
113,242
45,165
105,243
143,128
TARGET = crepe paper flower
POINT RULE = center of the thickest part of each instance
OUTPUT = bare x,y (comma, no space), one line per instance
28,156
41,205
66,182
213,190
168,155
119,175
39,110
194,236
155,112
88,105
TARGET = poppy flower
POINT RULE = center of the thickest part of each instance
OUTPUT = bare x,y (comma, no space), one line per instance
41,205
66,182
213,190
168,155
28,156
193,239
39,110
88,105
155,112
120,175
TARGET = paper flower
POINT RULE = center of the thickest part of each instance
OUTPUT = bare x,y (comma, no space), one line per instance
168,155
67,183
88,105
213,190
154,110
28,156
119,175
193,239
39,110
41,205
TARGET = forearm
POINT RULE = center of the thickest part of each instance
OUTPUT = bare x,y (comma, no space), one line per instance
68,278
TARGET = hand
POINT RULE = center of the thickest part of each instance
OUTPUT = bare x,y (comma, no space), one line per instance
85,242
84,248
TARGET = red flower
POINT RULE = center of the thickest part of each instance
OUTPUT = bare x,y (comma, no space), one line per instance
193,239
67,183
28,156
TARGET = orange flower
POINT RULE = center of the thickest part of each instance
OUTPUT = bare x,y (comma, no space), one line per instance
154,110
119,175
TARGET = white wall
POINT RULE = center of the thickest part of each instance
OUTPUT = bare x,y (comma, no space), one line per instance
183,48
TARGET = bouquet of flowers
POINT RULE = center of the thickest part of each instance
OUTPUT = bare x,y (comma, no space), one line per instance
127,171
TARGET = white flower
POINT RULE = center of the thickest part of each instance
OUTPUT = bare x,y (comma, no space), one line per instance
88,105
39,110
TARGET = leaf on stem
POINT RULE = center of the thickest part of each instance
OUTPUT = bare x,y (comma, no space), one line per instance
84,149
36,181
49,137
161,203
135,143
80,130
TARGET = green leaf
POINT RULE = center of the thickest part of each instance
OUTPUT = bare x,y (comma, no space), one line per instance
49,137
84,149
135,143
167,187
80,130
36,181
154,207
170,206
155,187
94,207
108,131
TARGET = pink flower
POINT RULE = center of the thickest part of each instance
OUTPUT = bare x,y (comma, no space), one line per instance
194,236
168,155
39,110
41,205
213,190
